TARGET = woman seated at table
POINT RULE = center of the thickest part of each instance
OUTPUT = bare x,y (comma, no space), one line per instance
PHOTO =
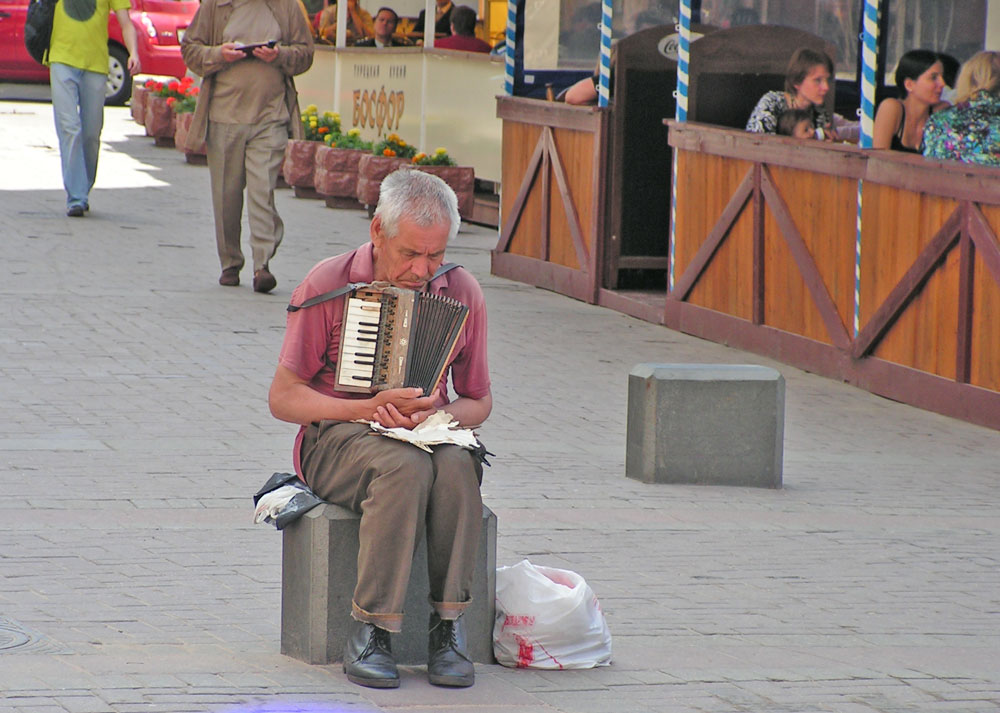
899,123
970,130
807,82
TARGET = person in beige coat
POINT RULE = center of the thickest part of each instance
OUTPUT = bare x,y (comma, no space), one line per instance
247,52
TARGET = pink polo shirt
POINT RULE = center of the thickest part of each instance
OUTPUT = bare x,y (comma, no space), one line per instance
313,333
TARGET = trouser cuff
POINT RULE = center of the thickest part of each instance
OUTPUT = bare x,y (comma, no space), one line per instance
450,610
390,622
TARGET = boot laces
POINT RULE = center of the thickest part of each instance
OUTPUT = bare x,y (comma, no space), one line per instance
378,641
448,637
444,634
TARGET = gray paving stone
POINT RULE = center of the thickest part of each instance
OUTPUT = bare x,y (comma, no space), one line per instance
137,429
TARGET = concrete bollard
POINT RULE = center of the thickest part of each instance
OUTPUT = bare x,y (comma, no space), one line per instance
319,568
707,424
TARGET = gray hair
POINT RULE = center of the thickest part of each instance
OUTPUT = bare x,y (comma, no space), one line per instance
420,197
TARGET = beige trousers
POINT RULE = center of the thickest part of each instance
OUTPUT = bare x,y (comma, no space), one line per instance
402,493
246,156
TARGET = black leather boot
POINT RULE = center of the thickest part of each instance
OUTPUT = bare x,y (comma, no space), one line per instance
448,662
368,657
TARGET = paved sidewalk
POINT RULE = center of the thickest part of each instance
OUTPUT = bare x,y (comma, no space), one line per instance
136,428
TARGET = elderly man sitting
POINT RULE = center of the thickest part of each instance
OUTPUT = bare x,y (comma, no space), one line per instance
400,491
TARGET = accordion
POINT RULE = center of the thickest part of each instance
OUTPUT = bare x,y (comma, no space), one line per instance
393,337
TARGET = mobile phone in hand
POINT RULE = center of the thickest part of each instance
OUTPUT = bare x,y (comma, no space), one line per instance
249,48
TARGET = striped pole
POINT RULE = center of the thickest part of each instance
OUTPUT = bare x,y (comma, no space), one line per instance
508,72
869,55
604,76
683,57
681,95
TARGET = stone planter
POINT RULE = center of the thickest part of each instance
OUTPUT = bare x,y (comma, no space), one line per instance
183,123
462,180
300,163
371,170
137,104
160,122
336,176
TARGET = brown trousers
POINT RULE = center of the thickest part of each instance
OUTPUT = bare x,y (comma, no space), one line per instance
402,494
246,156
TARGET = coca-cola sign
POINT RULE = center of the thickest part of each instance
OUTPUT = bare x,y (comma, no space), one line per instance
669,44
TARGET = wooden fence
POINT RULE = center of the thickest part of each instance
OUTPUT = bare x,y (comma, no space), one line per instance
554,195
766,258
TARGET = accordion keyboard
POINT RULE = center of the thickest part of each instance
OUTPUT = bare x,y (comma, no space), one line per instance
357,362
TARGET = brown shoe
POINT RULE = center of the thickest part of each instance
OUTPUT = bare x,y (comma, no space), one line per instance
230,277
263,280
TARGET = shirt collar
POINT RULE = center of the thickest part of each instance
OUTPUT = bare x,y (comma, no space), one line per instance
363,264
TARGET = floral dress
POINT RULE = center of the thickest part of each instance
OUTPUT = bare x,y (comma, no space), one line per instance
968,132
764,119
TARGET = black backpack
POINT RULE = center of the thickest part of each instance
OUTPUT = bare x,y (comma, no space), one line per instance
38,28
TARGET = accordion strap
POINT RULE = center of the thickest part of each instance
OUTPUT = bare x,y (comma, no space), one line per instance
334,294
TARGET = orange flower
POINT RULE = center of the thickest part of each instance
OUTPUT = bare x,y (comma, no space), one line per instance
388,152
323,130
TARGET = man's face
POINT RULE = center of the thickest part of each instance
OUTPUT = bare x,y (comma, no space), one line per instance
411,257
385,25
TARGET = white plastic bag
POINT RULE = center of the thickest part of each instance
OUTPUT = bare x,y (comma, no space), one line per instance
548,618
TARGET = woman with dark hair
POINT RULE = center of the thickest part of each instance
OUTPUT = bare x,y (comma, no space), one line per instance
899,123
970,130
807,82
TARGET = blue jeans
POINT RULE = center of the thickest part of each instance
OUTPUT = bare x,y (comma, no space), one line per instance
78,105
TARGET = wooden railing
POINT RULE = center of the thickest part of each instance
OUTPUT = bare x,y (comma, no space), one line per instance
766,258
766,255
554,195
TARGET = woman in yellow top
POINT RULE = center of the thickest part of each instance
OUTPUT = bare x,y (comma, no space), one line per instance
78,71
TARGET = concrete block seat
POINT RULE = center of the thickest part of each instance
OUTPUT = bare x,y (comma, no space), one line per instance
712,424
319,568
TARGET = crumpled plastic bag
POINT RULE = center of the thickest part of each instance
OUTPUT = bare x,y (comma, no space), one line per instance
283,499
548,618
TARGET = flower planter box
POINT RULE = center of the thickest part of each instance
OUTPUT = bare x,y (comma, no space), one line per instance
336,175
183,123
371,170
462,180
300,163
137,104
160,122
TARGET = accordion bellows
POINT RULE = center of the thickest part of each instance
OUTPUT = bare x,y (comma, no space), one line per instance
393,337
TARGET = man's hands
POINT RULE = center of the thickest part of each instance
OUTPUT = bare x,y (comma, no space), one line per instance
266,54
402,408
230,53
292,399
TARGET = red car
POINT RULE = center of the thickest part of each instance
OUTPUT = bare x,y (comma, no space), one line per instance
159,27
